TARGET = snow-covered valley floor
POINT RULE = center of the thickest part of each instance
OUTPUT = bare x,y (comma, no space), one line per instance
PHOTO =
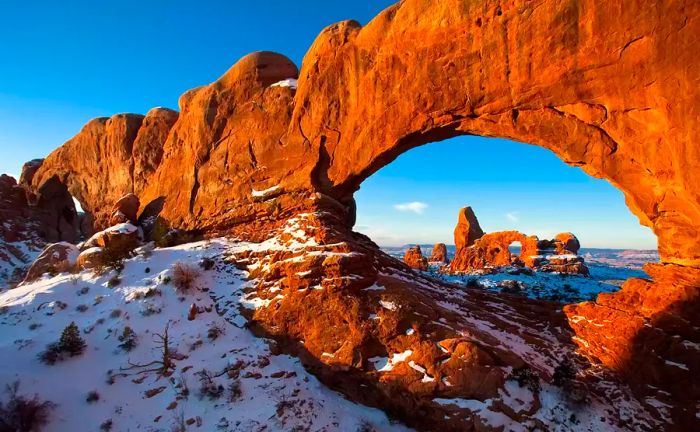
99,391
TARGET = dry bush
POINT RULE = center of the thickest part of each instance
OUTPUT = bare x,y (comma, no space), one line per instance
21,413
184,276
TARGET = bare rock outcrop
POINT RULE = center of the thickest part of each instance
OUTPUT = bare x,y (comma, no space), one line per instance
414,258
468,229
492,250
55,258
439,254
125,210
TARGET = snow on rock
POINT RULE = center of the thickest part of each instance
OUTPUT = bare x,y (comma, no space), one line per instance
265,192
384,364
261,390
289,82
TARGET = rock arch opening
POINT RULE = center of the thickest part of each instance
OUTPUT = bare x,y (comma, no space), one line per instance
527,201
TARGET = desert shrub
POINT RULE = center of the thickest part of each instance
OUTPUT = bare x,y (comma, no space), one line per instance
51,354
180,387
282,406
215,330
128,339
565,377
184,276
111,259
366,426
81,308
147,270
150,309
564,373
70,341
526,377
23,414
116,313
208,387
206,263
234,391
114,281
178,424
106,425
166,280
92,397
83,290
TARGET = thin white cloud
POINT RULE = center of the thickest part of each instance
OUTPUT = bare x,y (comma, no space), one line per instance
513,216
416,207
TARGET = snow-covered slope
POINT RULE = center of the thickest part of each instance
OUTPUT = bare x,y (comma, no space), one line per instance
262,391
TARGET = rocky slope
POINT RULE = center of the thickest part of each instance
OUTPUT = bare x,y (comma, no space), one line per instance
430,354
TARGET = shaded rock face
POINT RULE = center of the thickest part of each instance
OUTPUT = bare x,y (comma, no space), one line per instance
414,258
19,231
439,254
590,81
55,258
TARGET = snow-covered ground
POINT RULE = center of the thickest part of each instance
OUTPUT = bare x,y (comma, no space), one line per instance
261,391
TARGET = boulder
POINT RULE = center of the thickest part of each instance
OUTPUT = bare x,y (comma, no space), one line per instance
119,239
439,254
125,210
91,258
414,258
468,229
566,244
55,258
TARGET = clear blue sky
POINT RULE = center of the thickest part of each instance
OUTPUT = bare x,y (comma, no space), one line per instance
63,63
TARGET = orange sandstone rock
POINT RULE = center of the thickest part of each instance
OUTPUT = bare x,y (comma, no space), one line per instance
439,254
414,258
468,229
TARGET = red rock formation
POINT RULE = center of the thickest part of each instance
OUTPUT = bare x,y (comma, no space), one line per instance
491,250
414,258
439,254
607,86
119,239
19,232
55,258
566,243
125,210
468,229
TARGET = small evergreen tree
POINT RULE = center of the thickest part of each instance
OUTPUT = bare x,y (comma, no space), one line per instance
127,339
70,341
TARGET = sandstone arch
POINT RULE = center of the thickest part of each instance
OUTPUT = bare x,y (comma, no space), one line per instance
611,87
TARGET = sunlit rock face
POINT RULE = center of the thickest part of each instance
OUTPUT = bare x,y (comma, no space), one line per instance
414,258
607,86
476,251
439,254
